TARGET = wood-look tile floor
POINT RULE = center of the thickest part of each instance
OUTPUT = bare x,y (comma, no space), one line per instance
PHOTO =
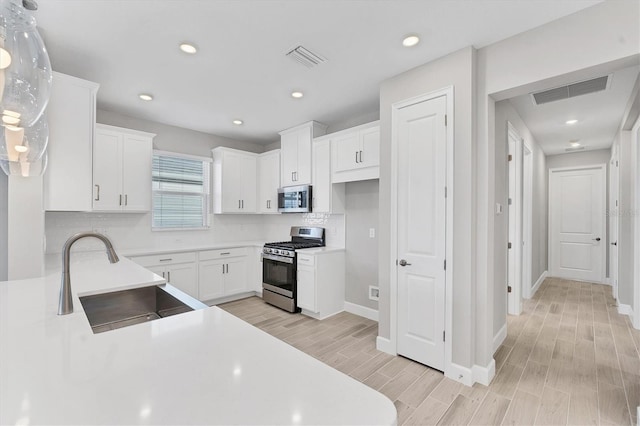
569,359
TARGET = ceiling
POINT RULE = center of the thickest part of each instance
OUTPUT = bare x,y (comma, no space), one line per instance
240,70
599,115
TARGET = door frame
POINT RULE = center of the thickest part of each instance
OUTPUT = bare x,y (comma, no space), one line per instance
614,219
515,230
448,92
527,219
635,187
603,168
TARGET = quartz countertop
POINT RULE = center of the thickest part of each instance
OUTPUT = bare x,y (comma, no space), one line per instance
201,367
320,250
181,248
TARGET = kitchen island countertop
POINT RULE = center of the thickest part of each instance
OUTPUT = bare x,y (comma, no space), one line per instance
201,367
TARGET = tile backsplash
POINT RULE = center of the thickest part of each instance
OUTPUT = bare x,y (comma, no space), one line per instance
132,231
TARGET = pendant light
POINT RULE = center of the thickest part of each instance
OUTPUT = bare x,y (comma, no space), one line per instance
25,85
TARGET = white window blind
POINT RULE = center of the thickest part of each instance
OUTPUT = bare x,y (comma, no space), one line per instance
180,186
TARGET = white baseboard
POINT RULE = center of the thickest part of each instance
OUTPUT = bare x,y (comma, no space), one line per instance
538,283
626,310
499,337
383,344
607,281
362,311
459,374
484,375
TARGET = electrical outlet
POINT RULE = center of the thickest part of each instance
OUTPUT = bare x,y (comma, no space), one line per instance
372,232
374,292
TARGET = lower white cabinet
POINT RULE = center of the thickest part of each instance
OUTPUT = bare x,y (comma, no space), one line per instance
222,273
320,282
179,269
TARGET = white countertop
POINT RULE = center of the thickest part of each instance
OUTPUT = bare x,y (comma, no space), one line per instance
180,248
320,250
201,367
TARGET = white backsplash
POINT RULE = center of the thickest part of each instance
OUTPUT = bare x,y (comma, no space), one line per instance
132,231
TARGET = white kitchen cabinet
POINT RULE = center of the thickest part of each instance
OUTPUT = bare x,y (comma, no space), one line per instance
327,197
179,269
71,114
234,181
222,273
355,153
295,153
320,282
268,181
122,169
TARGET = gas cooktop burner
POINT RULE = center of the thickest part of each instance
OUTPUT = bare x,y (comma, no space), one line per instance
301,238
293,246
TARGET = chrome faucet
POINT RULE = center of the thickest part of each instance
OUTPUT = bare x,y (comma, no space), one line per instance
66,301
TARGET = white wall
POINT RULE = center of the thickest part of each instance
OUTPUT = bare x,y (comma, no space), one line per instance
361,199
505,112
580,158
595,40
4,201
626,216
456,69
25,228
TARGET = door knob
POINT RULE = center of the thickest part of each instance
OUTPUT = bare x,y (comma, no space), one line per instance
596,239
403,263
615,243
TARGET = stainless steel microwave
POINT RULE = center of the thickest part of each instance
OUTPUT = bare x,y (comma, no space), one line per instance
295,199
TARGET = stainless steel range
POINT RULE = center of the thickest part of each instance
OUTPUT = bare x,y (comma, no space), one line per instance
279,266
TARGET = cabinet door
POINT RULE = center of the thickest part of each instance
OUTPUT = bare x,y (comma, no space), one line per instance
211,279
370,143
231,182
107,171
346,148
289,158
306,288
303,173
268,182
322,176
248,176
235,277
136,174
184,277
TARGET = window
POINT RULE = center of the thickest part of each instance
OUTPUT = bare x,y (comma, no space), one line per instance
180,186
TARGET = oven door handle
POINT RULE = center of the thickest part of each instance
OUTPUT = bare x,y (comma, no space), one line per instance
276,258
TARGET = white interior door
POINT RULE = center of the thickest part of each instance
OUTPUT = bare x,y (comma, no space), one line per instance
421,231
577,223
514,251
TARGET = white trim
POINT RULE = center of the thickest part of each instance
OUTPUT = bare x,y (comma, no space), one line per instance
527,220
362,311
498,339
605,232
181,155
608,281
385,345
635,187
538,283
393,276
515,214
625,310
484,375
460,374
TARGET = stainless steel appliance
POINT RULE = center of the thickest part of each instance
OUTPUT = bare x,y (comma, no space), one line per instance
295,199
279,266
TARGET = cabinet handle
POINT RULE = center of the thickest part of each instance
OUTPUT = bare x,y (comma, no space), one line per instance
361,156
223,268
268,204
357,157
292,178
225,253
166,260
227,268
163,274
120,199
126,199
169,276
238,204
97,193
242,204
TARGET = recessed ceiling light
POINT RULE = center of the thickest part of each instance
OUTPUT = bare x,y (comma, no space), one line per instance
237,122
410,40
145,97
571,121
297,95
574,143
188,48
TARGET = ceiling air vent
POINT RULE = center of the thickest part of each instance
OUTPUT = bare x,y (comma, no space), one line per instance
572,90
305,57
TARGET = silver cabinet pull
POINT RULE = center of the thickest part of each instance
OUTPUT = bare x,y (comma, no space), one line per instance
97,193
293,179
163,274
126,199
242,203
356,156
403,263
166,260
223,268
169,276
225,253
120,199
361,156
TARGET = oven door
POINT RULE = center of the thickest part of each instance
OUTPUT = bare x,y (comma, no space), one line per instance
279,274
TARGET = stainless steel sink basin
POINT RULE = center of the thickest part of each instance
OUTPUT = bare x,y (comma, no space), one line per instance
110,311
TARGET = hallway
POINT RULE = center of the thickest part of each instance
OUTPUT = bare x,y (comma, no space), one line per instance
570,358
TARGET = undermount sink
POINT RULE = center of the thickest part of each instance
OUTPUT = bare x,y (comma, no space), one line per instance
110,311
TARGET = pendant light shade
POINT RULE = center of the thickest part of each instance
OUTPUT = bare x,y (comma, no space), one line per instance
23,145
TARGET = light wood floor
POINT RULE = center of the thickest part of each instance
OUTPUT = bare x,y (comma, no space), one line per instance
570,358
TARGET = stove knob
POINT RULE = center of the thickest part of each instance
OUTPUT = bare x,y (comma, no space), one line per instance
276,251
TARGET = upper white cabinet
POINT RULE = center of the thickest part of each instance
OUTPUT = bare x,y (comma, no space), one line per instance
71,115
295,153
327,197
268,181
234,181
122,169
356,153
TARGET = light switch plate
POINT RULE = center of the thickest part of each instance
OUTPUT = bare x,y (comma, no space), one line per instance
372,232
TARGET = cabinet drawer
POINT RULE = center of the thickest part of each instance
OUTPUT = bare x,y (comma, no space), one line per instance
164,259
223,253
306,260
